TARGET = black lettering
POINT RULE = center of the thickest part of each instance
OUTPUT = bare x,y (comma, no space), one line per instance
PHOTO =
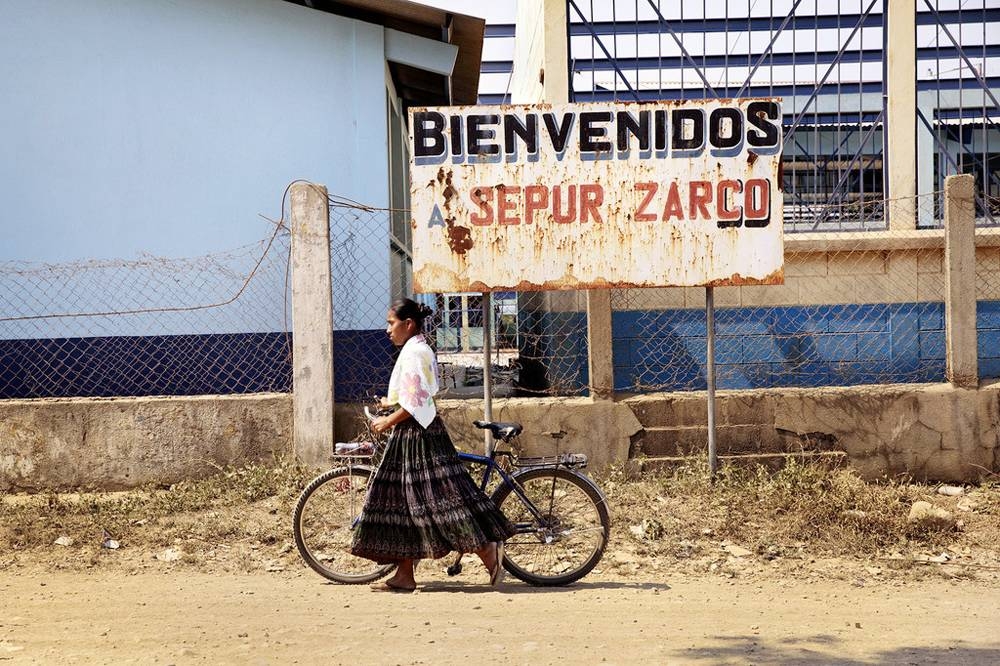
628,124
480,138
456,135
428,134
697,139
590,131
527,131
715,123
558,134
763,116
660,129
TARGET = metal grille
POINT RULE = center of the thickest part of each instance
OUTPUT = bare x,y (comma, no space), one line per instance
826,59
958,88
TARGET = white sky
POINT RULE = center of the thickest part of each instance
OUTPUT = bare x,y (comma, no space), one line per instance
494,11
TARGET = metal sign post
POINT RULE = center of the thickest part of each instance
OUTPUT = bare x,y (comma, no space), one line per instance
487,370
713,462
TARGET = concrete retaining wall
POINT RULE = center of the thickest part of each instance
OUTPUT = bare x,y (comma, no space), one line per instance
55,444
930,431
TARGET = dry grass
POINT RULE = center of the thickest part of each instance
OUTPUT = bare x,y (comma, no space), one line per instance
239,519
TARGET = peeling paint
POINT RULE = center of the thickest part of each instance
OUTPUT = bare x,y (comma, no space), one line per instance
594,210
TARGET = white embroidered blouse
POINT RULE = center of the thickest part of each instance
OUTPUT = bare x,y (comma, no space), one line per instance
414,380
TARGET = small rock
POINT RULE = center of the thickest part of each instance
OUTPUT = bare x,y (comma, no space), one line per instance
927,516
736,551
63,541
110,544
169,555
854,514
650,529
966,504
951,491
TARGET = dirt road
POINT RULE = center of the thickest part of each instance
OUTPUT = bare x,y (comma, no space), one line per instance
179,616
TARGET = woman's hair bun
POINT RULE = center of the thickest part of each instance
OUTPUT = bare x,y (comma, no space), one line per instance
407,308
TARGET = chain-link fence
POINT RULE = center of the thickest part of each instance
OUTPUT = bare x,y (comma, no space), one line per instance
855,308
988,307
152,326
538,340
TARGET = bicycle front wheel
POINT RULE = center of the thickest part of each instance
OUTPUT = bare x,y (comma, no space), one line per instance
567,537
323,524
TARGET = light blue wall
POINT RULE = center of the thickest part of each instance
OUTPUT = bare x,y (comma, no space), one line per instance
167,127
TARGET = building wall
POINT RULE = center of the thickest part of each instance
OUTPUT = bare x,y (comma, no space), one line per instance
871,314
169,128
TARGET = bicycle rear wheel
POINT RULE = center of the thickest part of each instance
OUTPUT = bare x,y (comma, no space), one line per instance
323,524
569,537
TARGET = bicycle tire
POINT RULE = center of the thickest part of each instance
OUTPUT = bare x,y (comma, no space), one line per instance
569,540
323,525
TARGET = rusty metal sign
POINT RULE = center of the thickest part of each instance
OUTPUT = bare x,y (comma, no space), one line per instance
577,196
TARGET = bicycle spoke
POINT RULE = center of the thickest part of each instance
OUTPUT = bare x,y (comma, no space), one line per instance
566,539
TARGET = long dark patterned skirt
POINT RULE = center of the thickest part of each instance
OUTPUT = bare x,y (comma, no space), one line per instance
422,503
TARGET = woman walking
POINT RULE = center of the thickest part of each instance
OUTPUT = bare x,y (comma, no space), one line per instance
422,503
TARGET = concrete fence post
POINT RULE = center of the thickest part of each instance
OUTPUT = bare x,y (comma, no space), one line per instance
312,326
962,367
901,110
599,344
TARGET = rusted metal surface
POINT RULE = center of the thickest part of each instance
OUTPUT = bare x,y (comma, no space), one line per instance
576,196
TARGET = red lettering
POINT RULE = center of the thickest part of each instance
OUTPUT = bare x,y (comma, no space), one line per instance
673,209
650,189
557,213
728,217
483,198
757,202
507,203
699,195
536,197
591,196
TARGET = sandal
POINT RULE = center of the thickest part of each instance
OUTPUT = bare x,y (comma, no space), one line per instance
385,586
496,572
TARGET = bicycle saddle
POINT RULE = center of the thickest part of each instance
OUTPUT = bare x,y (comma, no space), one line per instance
504,431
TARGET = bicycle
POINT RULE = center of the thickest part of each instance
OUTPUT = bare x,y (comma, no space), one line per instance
560,515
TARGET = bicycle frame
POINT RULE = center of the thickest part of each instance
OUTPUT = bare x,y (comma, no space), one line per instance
491,466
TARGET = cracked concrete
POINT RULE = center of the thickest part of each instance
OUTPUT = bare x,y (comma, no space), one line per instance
927,431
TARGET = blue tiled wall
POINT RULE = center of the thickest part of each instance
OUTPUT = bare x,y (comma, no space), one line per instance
184,365
837,345
653,350
988,326
145,365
